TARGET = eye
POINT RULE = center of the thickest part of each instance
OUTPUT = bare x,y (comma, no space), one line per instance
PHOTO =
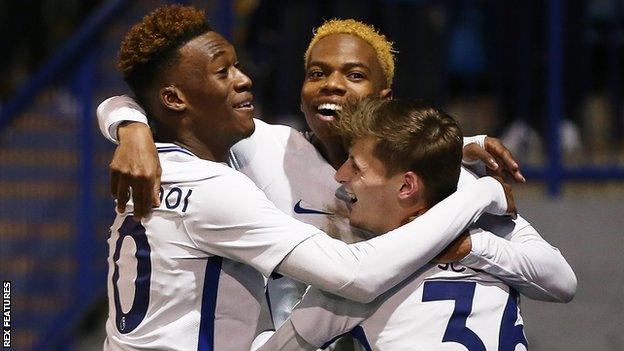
315,74
223,71
354,167
356,75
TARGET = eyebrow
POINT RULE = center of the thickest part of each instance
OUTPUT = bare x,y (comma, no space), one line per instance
347,65
215,52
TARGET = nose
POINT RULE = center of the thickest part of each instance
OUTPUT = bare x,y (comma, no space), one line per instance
334,84
242,82
342,174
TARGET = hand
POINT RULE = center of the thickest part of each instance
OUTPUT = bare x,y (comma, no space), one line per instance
497,158
511,203
456,251
135,165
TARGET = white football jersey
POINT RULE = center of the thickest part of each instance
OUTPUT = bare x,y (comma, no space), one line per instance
295,177
175,281
300,182
444,307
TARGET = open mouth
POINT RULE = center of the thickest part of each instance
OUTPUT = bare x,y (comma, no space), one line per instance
244,105
343,194
328,111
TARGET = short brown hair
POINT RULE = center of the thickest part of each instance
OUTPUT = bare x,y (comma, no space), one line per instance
151,45
381,45
410,136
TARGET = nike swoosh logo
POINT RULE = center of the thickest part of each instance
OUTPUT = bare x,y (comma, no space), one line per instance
302,210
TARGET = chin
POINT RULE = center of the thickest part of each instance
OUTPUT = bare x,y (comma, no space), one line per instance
249,128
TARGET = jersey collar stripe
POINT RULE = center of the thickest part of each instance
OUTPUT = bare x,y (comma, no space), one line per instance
209,303
163,150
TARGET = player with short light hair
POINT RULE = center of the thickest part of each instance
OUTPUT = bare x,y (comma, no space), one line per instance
404,157
192,274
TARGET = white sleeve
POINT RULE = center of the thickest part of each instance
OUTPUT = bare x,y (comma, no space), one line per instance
229,216
521,258
364,270
321,317
478,139
114,110
477,165
284,339
283,294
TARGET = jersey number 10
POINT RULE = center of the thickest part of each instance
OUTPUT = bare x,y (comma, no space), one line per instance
127,322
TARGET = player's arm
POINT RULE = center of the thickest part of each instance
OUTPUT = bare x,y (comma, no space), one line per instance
319,318
525,261
513,251
364,270
246,227
483,153
135,164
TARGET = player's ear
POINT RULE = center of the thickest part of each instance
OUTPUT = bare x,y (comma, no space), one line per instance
386,94
172,98
411,186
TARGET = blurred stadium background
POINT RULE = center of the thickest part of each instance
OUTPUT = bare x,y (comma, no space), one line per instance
546,76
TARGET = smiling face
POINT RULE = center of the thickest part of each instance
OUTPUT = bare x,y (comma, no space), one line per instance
216,92
375,198
340,67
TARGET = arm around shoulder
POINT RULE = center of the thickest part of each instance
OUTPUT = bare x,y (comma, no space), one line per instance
525,261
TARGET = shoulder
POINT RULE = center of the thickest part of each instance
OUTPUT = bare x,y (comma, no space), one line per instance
271,135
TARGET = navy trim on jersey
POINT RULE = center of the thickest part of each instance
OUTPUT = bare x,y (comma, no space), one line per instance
302,210
209,303
165,149
268,300
359,335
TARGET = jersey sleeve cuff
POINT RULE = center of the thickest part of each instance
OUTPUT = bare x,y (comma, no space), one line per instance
115,110
479,244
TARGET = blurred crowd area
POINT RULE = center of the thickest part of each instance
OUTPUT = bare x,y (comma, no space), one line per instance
485,61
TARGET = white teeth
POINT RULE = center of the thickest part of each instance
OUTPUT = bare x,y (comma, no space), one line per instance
244,104
329,106
344,195
352,197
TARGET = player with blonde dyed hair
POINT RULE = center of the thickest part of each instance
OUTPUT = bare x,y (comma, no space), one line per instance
379,42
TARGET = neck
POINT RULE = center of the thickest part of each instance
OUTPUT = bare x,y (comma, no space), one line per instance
414,214
332,150
213,152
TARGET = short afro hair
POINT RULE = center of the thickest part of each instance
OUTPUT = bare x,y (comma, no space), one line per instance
381,45
151,44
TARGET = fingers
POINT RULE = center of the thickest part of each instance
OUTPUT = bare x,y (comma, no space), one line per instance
156,188
142,199
504,158
487,159
122,194
135,166
114,182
